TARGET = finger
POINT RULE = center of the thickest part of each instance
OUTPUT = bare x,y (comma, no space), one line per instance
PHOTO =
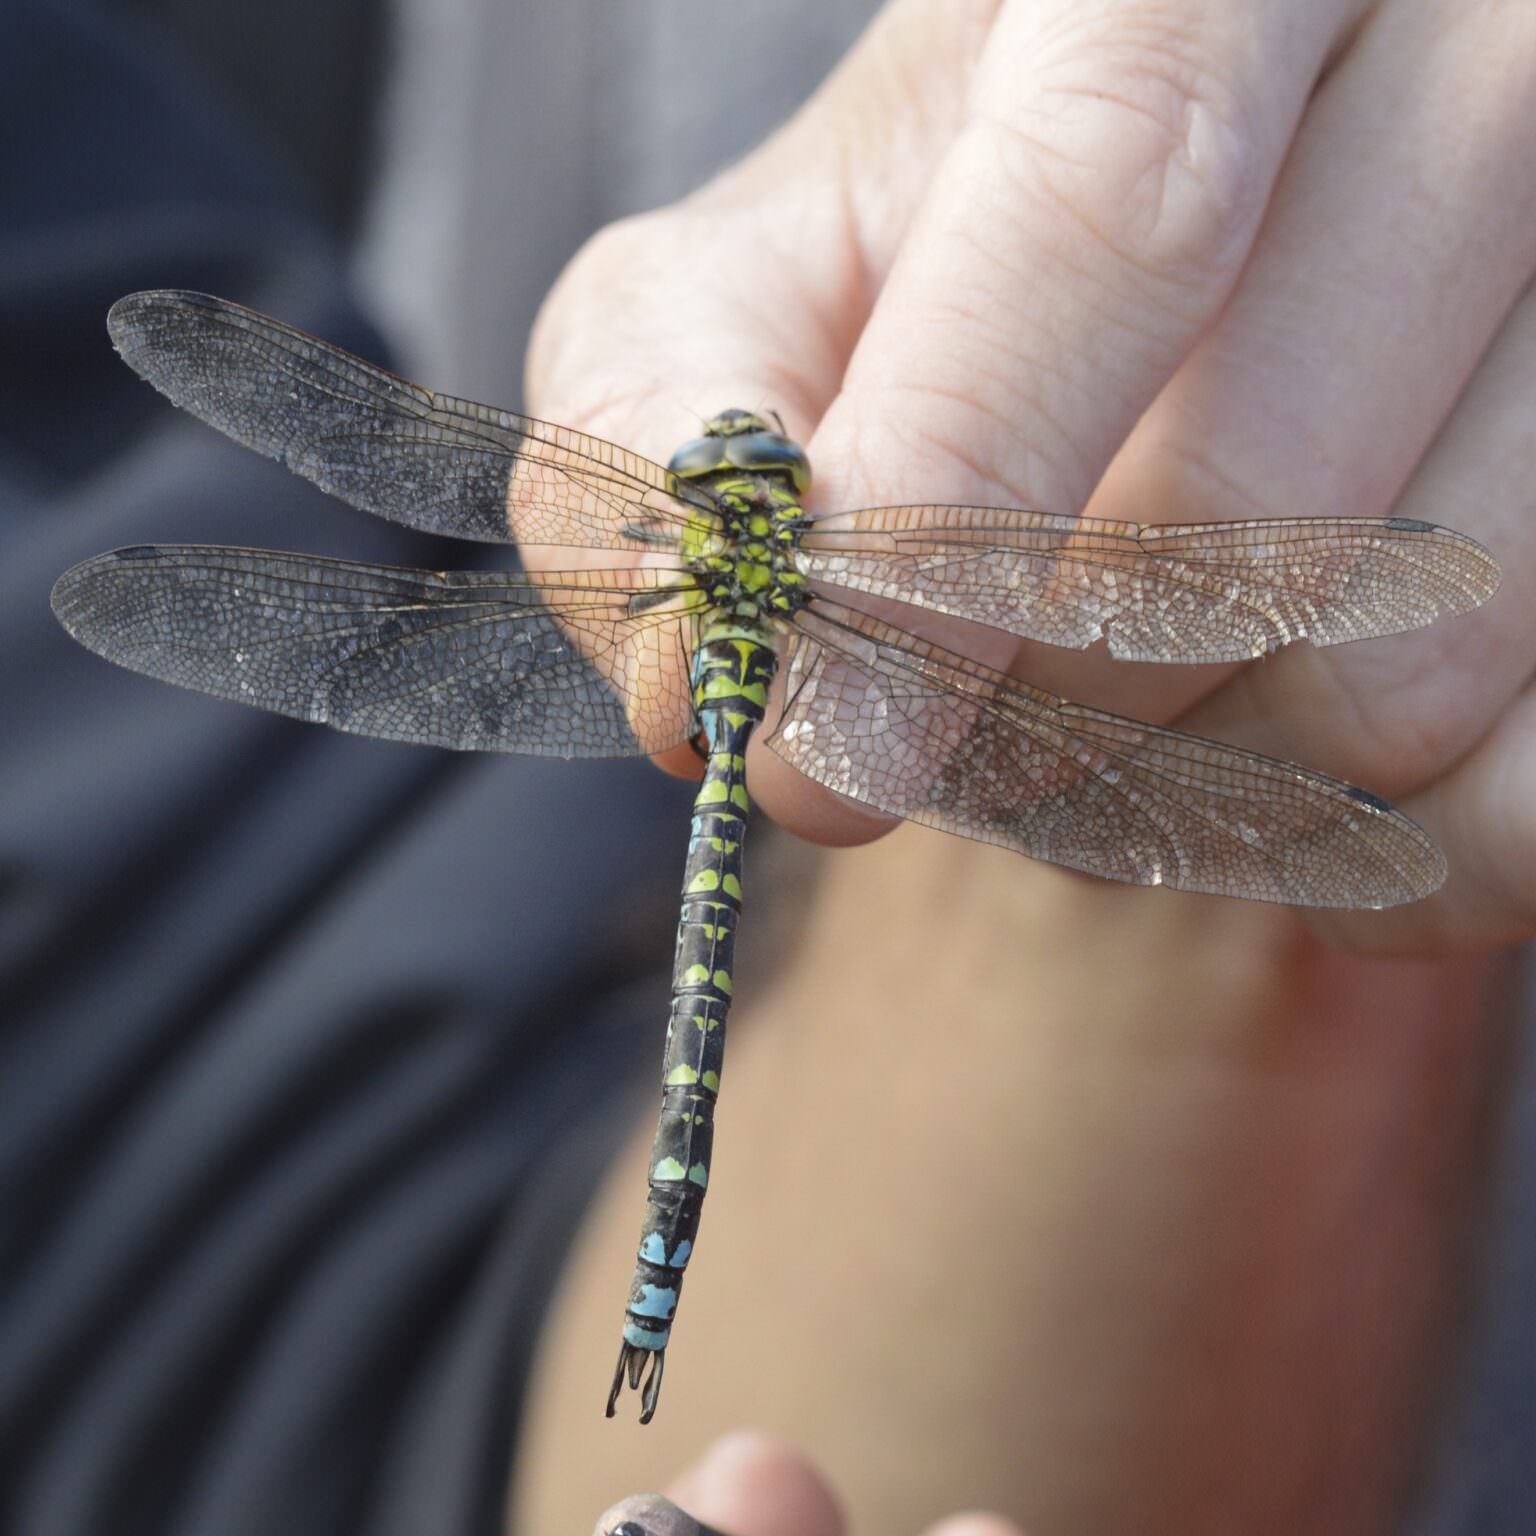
974,1525
753,290
1083,230
648,1514
1481,815
1402,713
1395,712
749,1484
1395,246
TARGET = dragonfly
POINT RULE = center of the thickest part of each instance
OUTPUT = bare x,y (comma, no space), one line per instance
719,580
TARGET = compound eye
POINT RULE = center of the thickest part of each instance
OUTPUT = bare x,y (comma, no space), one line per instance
768,451
699,457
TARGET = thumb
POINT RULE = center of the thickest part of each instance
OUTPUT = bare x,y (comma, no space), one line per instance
745,1484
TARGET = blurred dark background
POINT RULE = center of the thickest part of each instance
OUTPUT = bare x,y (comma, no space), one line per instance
306,78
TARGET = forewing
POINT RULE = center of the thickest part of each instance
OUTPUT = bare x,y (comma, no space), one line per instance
923,733
389,446
1183,592
590,664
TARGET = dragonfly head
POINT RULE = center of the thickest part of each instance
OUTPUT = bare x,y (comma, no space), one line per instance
743,440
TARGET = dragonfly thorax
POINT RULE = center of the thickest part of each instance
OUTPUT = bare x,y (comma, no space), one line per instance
741,545
743,553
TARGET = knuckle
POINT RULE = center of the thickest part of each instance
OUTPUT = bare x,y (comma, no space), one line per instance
579,341
600,259
1143,128
611,255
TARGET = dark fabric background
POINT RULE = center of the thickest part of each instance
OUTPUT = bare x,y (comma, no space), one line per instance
310,1046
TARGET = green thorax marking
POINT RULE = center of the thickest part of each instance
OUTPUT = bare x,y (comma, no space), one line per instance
741,548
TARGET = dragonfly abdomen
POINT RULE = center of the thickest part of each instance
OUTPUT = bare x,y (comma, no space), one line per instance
733,667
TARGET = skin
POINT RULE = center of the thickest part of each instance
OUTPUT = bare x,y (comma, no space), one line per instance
1164,261
755,1485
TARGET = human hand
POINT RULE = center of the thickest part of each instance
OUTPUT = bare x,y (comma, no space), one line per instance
749,1485
1161,263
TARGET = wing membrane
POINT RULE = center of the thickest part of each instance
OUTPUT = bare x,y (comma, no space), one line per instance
1182,592
591,664
389,446
924,733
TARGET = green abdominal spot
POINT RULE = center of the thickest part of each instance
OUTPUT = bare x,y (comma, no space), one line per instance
685,1076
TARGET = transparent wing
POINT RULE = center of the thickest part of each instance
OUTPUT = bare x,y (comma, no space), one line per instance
1183,592
591,664
389,446
923,733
